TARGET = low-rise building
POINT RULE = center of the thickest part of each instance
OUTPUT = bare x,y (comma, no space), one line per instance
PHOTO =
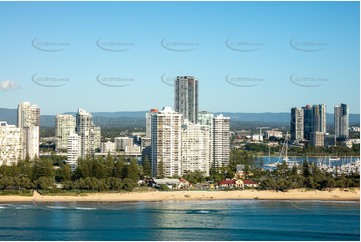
132,150
257,137
348,143
243,134
239,171
107,147
273,133
233,183
171,183
145,142
250,184
122,142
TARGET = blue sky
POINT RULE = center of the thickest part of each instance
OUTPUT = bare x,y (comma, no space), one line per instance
122,56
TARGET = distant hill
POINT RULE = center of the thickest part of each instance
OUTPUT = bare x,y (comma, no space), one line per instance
138,118
259,117
9,115
125,114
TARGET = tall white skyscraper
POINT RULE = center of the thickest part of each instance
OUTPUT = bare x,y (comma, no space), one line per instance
65,125
97,138
148,122
32,137
186,97
73,149
28,115
166,142
206,118
341,116
89,134
196,148
10,143
221,140
29,122
297,124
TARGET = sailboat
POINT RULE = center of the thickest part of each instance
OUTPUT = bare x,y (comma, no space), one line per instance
283,154
269,164
290,163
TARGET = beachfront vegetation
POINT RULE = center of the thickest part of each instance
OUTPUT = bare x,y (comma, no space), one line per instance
122,173
284,177
92,174
306,176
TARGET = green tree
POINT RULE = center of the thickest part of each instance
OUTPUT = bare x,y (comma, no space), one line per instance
305,169
42,168
118,168
63,173
71,185
44,183
268,184
310,183
84,169
110,165
146,167
194,177
25,168
115,183
100,168
128,184
26,183
228,172
133,170
7,183
216,174
160,169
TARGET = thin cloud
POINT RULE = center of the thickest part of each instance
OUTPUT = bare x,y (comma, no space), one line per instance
7,85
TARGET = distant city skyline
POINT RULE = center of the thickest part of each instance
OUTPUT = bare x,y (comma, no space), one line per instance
249,57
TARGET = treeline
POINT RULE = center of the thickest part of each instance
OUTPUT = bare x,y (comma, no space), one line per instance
307,175
92,174
120,173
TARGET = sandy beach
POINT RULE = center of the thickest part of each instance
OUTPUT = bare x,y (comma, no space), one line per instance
296,194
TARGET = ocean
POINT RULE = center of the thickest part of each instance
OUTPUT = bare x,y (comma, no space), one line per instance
182,220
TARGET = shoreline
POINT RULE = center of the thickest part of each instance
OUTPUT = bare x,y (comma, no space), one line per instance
352,194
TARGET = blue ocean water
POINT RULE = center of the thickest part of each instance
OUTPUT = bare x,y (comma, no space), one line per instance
188,220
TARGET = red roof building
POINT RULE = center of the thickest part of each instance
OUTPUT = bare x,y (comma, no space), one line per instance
227,183
250,183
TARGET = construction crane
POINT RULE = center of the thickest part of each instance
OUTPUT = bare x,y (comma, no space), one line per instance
260,131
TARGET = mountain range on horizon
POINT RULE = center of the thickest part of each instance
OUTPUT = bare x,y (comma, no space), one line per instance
10,116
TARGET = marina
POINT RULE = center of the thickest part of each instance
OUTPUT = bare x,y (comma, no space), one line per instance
335,165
